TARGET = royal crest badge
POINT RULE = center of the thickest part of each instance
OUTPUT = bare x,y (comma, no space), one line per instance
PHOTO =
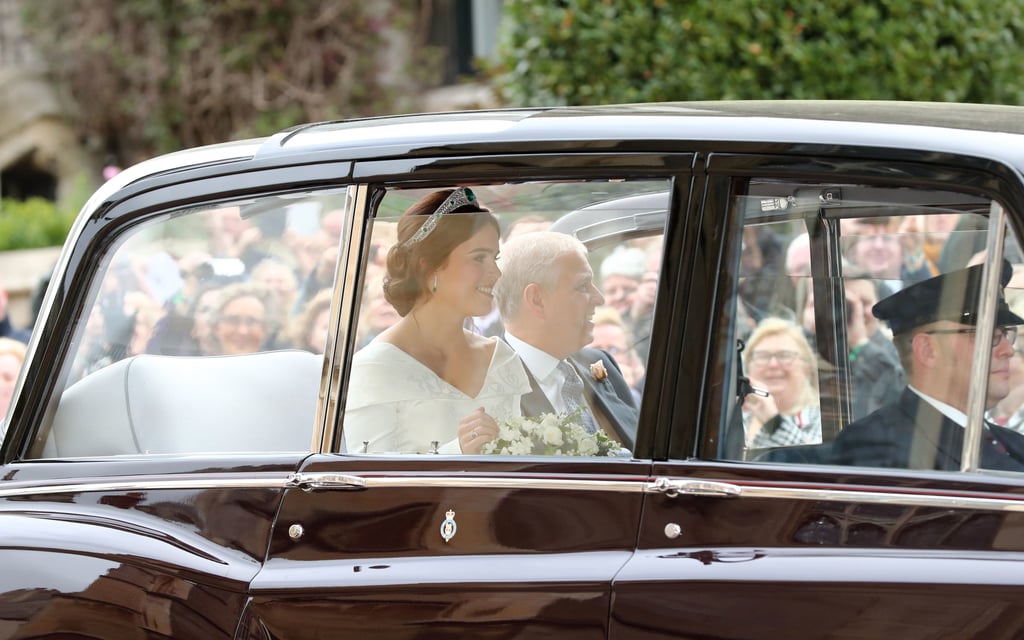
448,527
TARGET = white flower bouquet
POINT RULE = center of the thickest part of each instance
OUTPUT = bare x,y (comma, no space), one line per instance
551,434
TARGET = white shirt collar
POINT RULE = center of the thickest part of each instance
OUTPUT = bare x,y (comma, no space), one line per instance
540,363
949,411
543,367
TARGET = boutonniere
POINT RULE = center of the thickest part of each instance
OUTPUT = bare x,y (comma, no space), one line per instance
598,371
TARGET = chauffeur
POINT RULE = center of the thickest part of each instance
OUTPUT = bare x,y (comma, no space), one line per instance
934,329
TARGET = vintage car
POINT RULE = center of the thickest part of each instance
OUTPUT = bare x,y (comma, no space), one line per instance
161,479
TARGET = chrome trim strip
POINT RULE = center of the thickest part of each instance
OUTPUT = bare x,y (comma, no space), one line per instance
619,486
321,482
108,485
882,497
675,487
635,484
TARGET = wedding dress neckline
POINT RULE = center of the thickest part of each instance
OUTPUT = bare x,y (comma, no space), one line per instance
483,385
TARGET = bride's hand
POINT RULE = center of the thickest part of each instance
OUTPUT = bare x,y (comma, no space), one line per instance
476,430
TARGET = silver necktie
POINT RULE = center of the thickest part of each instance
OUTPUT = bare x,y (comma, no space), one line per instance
572,393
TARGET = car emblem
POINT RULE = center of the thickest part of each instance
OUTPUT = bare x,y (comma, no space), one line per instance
448,527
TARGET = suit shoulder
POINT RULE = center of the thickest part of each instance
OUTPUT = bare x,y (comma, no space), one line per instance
884,422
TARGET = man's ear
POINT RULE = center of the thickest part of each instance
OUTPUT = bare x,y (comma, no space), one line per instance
533,299
924,350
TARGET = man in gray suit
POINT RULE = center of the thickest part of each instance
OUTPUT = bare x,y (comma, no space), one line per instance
546,297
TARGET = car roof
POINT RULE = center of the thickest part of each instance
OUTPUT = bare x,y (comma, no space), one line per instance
969,129
994,132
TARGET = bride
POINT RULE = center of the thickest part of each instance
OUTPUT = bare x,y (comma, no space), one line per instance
426,384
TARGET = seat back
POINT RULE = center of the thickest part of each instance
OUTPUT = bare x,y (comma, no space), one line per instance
169,404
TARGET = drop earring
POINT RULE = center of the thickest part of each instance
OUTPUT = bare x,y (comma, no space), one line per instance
434,289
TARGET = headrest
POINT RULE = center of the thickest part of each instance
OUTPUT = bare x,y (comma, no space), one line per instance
175,404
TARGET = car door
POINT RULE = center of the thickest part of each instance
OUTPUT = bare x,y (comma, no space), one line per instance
745,540
426,544
143,470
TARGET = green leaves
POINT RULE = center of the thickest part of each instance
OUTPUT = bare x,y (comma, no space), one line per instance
599,52
32,224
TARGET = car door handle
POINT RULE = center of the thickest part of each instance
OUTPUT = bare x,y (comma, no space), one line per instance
673,488
312,481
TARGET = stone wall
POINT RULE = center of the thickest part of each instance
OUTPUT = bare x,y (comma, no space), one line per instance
20,273
34,130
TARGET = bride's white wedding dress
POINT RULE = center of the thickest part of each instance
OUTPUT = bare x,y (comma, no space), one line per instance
398,405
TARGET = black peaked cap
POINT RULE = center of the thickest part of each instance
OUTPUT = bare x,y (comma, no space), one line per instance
949,296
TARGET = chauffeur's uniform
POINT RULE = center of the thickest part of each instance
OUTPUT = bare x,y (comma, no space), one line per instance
911,432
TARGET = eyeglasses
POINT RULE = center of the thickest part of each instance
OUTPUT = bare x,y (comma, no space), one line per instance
239,321
782,357
1010,333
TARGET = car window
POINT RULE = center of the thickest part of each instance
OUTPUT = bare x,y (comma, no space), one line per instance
204,331
848,332
506,319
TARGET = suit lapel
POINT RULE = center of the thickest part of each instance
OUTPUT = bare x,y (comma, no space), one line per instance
615,417
935,441
938,441
535,402
1012,455
593,391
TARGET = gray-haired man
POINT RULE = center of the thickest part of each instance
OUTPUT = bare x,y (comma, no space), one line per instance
546,296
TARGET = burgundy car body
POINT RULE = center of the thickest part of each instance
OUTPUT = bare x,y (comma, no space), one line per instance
676,541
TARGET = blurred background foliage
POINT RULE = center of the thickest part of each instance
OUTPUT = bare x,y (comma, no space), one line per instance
33,223
576,52
146,77
37,222
152,76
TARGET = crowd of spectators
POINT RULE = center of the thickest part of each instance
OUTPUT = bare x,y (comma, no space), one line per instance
251,284
257,286
881,256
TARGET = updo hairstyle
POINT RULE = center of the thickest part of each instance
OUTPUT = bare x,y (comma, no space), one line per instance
410,265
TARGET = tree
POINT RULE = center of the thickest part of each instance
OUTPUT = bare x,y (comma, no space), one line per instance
611,51
151,76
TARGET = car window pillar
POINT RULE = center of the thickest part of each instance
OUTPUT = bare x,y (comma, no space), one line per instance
991,272
826,278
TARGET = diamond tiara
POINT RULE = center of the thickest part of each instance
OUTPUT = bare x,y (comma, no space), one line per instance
458,198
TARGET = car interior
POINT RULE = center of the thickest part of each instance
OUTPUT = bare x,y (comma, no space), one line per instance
844,232
794,253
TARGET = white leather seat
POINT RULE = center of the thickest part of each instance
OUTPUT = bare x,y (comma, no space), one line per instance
167,404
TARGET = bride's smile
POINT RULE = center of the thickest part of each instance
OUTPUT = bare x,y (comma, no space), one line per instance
466,281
